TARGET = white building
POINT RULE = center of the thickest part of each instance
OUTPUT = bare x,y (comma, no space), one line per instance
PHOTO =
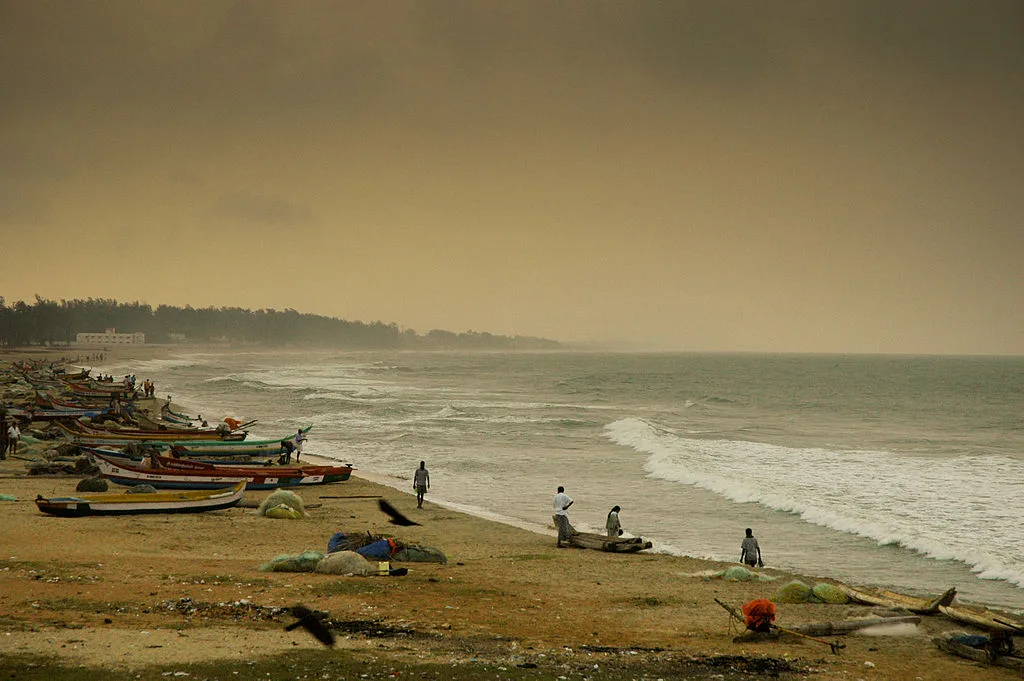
110,337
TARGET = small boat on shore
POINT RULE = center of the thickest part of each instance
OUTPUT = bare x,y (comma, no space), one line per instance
183,474
984,618
601,542
894,599
131,504
959,644
80,429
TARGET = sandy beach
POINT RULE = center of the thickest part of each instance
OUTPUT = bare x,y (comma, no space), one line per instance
148,596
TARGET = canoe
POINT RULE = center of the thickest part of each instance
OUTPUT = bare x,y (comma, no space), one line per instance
195,475
951,643
133,459
130,504
39,414
983,618
601,542
215,448
894,599
81,429
147,422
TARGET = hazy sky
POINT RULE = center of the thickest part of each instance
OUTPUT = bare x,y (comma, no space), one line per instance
778,176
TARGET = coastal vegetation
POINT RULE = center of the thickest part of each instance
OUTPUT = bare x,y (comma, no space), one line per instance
55,323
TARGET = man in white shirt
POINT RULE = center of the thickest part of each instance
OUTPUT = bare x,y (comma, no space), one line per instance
299,439
562,504
13,435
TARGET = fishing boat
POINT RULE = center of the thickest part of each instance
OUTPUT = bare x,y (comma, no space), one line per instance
894,599
129,504
984,618
135,458
178,474
219,433
38,414
959,644
213,448
601,542
147,422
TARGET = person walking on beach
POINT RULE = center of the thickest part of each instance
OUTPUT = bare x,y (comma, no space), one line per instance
299,439
750,551
421,483
13,435
562,503
612,525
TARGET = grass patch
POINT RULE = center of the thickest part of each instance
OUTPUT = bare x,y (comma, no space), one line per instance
218,580
531,556
346,587
646,601
85,605
56,571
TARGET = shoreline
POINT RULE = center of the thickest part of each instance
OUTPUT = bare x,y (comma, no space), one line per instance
506,597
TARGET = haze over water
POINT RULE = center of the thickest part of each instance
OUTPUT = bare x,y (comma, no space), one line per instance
898,471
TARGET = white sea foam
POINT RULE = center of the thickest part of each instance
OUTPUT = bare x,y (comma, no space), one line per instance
963,508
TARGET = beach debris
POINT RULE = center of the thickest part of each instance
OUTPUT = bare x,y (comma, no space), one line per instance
141,489
395,517
282,503
311,621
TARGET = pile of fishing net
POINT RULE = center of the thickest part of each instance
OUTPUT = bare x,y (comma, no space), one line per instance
282,503
798,592
736,573
306,561
376,547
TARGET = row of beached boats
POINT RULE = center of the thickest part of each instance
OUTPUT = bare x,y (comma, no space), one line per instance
192,467
980,618
1000,627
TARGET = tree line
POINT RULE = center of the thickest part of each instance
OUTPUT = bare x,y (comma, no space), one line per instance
55,323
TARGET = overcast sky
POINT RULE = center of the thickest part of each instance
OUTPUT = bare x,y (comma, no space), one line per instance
755,176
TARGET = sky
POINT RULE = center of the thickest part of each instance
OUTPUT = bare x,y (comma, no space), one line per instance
790,176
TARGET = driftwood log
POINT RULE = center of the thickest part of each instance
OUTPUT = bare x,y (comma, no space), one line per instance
846,626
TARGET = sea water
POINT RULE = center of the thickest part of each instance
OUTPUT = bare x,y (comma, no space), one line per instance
905,472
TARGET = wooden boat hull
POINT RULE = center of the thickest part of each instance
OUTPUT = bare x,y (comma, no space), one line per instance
134,504
601,542
950,645
206,476
983,618
122,456
82,429
894,599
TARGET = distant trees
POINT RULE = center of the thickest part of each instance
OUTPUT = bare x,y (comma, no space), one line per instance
49,322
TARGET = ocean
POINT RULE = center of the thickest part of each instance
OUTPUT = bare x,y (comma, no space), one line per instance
898,471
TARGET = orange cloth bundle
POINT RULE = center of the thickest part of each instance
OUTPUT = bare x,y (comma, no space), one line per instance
759,614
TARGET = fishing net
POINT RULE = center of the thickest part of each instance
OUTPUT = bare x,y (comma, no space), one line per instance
345,563
829,593
303,562
794,592
419,554
282,497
